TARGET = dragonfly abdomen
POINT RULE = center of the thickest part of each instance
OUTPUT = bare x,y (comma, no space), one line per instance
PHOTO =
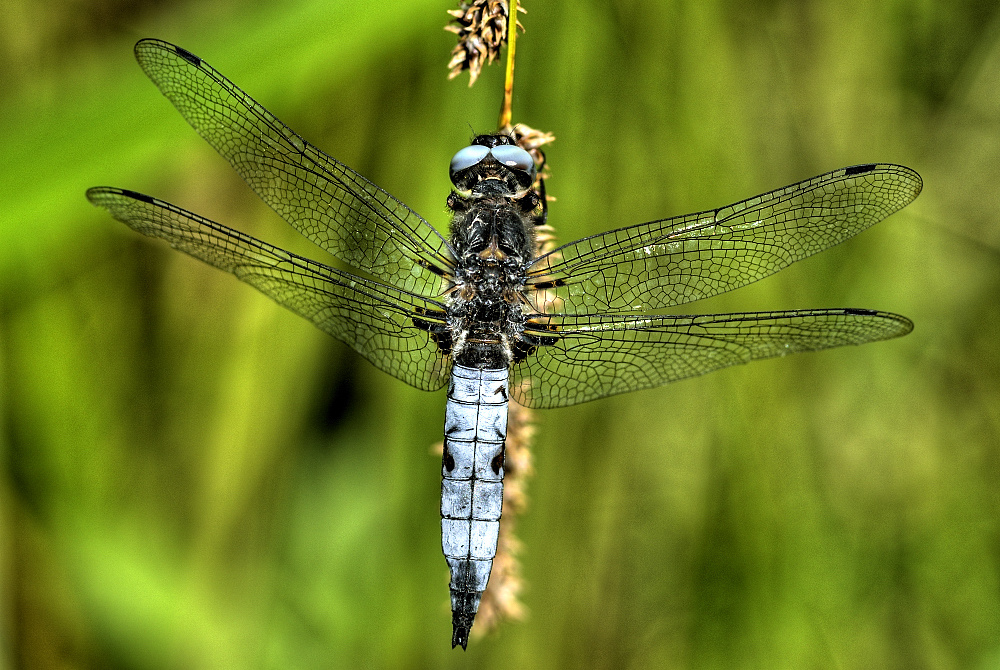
475,429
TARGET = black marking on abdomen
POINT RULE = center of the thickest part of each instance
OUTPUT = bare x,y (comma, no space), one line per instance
497,461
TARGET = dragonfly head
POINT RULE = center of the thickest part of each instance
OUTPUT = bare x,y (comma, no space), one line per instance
492,165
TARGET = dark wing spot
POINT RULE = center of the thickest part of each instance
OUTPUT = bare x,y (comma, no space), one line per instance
526,344
448,460
853,311
141,197
437,329
521,350
440,272
535,325
432,313
858,169
188,56
556,283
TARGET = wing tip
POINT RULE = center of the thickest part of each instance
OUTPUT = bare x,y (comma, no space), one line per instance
902,172
96,195
893,325
149,44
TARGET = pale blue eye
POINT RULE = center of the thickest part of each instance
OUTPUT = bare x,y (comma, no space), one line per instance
468,157
514,157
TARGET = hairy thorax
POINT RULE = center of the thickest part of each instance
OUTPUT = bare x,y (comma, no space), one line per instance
492,236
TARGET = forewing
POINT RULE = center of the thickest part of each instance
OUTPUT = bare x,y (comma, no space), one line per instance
325,200
591,357
674,261
376,320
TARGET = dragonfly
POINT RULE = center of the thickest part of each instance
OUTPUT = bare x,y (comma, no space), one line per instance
483,312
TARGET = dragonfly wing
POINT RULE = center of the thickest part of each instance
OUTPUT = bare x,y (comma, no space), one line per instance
583,358
376,320
325,200
673,261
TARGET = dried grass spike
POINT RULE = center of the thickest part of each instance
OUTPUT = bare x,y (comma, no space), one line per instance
481,26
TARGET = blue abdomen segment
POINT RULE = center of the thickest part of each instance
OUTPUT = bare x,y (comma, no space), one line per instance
475,429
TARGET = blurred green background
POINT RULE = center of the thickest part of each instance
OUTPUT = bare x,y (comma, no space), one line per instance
193,477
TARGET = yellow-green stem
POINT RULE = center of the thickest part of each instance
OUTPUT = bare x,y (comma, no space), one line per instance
508,86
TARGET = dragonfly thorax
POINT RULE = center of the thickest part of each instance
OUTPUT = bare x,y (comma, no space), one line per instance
485,306
492,234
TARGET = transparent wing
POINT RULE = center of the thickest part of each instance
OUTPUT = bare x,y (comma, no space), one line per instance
325,200
589,357
376,320
674,261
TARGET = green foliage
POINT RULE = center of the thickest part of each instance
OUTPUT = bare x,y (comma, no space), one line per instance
194,478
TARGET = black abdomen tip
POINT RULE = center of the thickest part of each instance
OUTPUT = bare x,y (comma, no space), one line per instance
460,636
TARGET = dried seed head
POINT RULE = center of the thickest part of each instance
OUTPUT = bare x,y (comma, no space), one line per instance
481,26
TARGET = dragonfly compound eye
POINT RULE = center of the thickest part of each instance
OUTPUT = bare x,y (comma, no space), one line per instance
518,161
466,158
514,158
